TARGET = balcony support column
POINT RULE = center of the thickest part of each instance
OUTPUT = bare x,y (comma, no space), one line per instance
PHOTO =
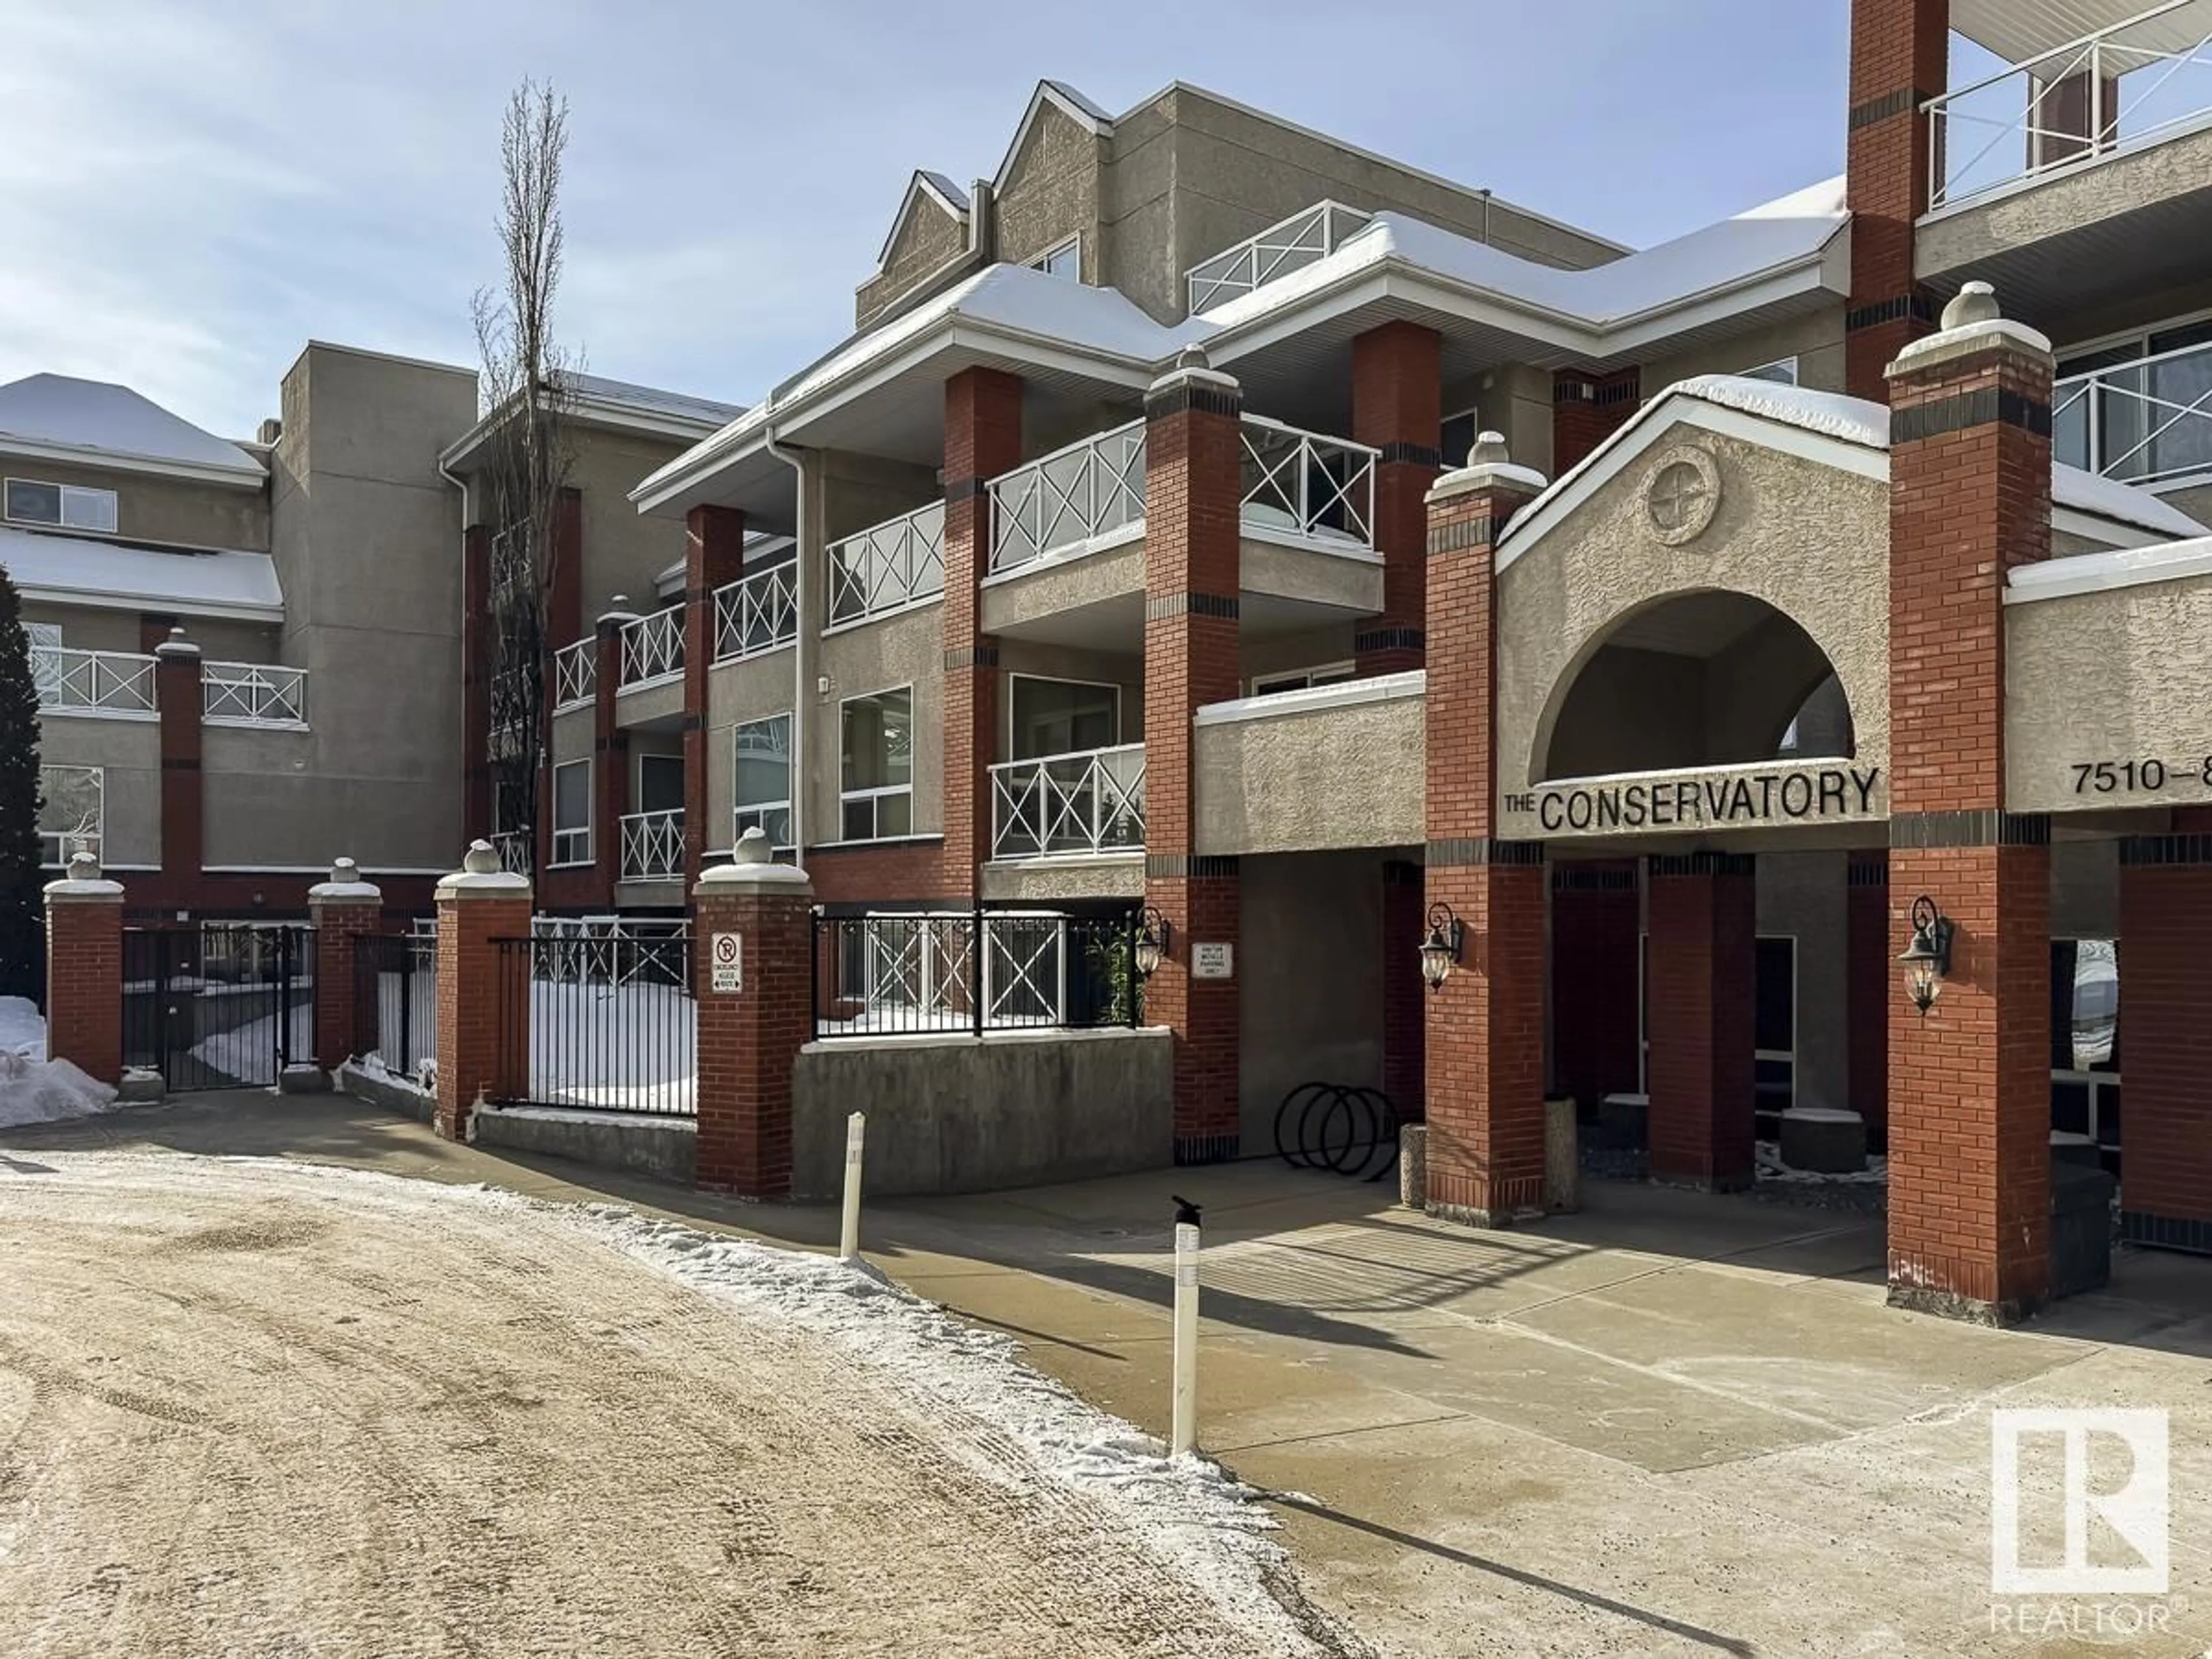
713,557
479,658
982,439
181,701
610,759
1194,444
1900,59
1397,408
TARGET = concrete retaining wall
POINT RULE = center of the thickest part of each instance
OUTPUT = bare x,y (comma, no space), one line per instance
666,1147
960,1115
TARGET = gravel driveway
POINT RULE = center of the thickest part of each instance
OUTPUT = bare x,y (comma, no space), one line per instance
253,1408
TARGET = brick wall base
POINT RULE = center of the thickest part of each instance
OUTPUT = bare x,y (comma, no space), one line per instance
1203,1013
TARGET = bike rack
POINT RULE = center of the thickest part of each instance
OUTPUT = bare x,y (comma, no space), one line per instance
1320,1126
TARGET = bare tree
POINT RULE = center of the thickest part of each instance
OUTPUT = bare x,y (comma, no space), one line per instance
526,381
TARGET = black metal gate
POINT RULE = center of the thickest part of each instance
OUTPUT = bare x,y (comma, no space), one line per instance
218,1004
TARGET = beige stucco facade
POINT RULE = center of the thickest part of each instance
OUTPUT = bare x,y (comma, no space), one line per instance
1341,774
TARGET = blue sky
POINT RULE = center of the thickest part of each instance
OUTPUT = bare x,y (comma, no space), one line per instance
192,190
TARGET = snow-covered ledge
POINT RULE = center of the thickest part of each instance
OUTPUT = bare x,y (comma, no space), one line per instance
2098,573
84,885
1346,693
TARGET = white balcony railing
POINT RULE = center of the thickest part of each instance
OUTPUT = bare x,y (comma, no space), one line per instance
2136,81
513,847
1090,488
757,613
93,682
1303,484
1089,802
653,648
253,694
893,564
2140,422
576,674
652,845
1302,240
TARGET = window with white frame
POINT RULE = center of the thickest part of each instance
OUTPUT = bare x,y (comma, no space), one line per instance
1061,717
71,810
659,783
2137,406
1298,679
65,506
572,812
762,792
876,765
1063,259
1782,371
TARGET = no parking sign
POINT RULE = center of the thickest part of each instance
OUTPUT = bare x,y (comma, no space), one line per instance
728,959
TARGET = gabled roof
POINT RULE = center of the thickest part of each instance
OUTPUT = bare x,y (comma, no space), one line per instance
97,422
80,570
622,404
1069,102
925,186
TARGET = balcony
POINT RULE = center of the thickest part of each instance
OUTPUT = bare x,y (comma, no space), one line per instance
652,648
253,694
2147,421
117,683
1088,803
575,675
1308,489
652,845
888,566
1300,240
757,613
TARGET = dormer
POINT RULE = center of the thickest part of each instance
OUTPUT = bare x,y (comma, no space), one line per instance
935,226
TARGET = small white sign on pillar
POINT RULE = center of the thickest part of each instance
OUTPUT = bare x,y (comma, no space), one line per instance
1212,960
727,960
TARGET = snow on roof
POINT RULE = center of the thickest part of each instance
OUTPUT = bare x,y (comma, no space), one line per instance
653,401
88,571
1783,232
945,187
66,413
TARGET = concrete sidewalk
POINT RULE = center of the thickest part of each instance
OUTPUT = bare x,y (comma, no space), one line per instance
1670,1424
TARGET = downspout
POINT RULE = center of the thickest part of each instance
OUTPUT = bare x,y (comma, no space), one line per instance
802,647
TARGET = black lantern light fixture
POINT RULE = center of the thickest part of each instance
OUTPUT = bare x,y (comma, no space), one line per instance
1927,960
1446,944
1153,933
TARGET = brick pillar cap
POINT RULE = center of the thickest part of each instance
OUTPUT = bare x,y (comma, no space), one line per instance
751,869
345,886
176,645
619,612
1488,467
84,885
480,877
1971,324
1192,367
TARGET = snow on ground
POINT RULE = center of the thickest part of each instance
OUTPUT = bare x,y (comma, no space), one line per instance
1772,1168
22,1027
248,1052
35,1089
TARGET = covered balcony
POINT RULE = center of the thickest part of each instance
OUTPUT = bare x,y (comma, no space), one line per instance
757,614
118,685
1080,805
1305,238
652,845
2143,420
888,567
649,694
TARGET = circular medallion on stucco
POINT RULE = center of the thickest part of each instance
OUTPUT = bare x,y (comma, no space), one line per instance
1684,494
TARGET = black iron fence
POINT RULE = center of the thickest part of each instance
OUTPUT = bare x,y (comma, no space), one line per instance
602,1021
395,1014
218,1004
973,971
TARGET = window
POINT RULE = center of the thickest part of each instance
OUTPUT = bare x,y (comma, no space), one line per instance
1062,717
1782,371
2138,407
1299,679
66,506
1459,432
572,812
2085,1047
1064,260
763,779
876,765
659,783
72,805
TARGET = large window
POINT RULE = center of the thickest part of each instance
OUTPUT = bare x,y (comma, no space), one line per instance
572,812
1062,717
2085,1046
763,779
73,805
659,783
66,507
876,768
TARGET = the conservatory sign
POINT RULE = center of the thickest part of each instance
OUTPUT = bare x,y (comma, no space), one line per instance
1707,797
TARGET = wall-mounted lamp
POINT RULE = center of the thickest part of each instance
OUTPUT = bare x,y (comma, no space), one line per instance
1927,960
1443,948
1153,933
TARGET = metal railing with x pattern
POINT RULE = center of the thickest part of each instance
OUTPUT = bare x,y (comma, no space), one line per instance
757,613
1091,489
576,674
653,646
2141,421
894,974
1303,484
888,565
653,845
93,682
1302,240
1089,802
253,694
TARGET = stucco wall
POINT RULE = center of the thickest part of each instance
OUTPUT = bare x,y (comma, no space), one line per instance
1051,589
929,237
1051,192
623,553
1339,776
158,509
1516,401
129,755
1804,896
955,1115
1816,340
755,689
905,649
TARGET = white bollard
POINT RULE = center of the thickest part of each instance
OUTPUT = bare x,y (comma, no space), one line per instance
848,1240
1184,1432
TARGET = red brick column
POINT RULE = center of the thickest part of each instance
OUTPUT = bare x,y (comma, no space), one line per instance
1900,58
1587,409
1405,999
1192,497
982,439
1970,1080
2166,1039
184,786
1485,1052
479,654
1596,921
1702,995
750,1032
342,908
1870,982
484,1001
714,558
1397,407
611,756
84,970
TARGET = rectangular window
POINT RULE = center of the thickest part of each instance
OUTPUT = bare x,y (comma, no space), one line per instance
763,779
1062,717
1782,371
1063,260
66,507
659,783
876,765
1300,679
572,812
72,806
1458,437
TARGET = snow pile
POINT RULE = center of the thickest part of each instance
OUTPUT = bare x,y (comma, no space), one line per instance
46,1091
22,1028
1772,1168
